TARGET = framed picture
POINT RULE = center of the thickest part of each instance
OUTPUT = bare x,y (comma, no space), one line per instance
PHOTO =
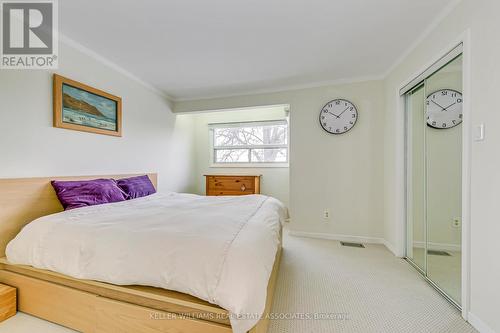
83,108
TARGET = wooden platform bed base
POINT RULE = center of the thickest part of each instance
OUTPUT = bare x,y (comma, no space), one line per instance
91,306
96,307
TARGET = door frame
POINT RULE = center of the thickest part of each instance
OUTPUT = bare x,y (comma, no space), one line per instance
465,39
408,250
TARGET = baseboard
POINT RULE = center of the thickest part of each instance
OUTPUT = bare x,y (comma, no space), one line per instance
337,237
392,248
347,238
438,246
479,324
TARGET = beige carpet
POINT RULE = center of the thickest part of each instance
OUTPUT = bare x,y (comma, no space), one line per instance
376,291
361,290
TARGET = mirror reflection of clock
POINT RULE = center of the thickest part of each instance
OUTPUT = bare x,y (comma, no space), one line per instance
444,109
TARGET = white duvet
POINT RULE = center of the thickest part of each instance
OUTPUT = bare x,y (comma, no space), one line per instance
220,249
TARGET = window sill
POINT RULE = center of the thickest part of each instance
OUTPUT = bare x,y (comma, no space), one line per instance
249,165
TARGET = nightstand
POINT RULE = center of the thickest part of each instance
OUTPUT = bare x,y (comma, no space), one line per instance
8,306
232,185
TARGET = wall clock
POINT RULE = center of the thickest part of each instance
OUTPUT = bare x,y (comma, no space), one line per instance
338,116
444,109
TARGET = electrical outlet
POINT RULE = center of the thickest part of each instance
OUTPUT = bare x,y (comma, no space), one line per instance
326,214
456,223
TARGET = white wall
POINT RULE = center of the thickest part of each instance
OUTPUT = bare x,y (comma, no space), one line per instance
30,146
343,173
274,181
481,17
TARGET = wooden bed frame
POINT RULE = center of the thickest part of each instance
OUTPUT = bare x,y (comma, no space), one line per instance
97,307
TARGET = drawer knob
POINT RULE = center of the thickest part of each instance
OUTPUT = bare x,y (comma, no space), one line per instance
243,188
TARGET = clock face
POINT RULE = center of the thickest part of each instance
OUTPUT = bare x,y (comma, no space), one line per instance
444,109
338,116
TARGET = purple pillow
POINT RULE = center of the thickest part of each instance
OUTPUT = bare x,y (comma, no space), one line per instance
136,187
75,194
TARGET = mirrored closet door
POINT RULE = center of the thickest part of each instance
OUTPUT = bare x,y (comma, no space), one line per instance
434,176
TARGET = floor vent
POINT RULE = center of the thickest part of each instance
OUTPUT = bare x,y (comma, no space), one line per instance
438,253
352,244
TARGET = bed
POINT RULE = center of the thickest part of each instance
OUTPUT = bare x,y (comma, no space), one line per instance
196,293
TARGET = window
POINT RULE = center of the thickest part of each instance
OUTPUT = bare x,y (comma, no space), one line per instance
248,143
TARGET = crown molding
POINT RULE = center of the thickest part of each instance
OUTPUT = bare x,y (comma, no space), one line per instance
105,61
438,20
284,88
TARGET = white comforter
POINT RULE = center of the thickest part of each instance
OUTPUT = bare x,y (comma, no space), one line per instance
220,249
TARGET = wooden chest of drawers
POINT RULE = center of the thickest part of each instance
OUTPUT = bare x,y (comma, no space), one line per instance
232,185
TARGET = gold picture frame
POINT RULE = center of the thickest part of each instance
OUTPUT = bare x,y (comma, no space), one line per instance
80,107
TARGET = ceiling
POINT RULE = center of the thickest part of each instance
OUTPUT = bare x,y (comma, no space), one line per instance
196,48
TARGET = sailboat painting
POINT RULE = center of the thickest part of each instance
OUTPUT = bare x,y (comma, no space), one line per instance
81,107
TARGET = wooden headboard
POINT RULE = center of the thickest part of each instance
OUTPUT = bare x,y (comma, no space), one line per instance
24,199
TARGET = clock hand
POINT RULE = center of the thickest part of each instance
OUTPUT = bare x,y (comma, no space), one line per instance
439,105
333,114
449,106
343,112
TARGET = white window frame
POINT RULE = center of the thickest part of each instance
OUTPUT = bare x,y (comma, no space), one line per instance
212,148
